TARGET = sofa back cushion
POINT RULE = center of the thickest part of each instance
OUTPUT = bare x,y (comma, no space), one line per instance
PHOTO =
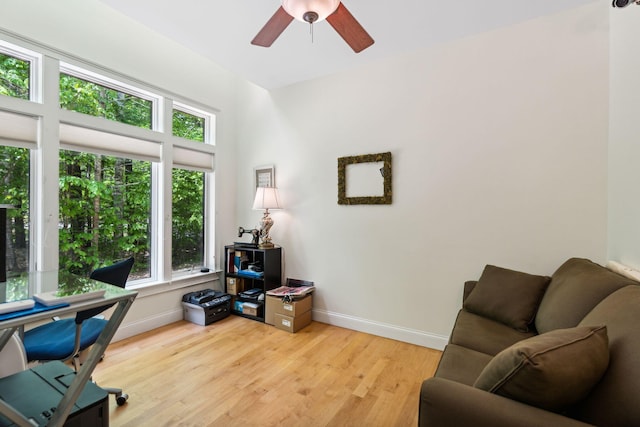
615,401
576,287
507,296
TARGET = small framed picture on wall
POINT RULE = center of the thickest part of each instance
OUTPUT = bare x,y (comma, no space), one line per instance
265,176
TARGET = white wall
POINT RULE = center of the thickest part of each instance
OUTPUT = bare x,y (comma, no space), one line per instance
624,137
499,147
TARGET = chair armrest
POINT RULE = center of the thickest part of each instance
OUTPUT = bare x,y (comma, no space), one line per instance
468,287
448,403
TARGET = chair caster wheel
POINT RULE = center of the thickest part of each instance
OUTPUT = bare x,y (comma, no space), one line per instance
122,399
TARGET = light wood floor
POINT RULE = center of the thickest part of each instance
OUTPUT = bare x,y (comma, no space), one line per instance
238,372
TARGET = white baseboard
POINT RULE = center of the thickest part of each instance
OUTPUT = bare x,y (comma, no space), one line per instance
412,336
127,330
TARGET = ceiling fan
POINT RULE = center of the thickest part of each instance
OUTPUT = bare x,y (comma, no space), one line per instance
313,11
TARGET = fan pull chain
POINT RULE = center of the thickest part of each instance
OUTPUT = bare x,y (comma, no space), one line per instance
310,17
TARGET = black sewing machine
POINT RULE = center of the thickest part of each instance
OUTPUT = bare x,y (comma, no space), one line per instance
255,233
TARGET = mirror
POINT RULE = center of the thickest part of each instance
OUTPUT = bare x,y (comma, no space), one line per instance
365,179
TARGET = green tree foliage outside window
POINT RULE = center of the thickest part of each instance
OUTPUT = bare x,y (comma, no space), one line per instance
105,210
14,191
188,126
187,219
96,100
14,77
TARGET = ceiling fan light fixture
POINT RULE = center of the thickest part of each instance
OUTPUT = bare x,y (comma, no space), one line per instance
624,3
311,11
300,9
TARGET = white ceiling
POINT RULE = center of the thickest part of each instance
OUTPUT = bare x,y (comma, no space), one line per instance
222,31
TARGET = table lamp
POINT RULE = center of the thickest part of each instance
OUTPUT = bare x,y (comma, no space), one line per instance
266,198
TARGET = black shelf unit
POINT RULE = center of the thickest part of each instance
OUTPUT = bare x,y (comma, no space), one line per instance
271,261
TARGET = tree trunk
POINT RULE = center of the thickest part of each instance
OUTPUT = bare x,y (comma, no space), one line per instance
95,223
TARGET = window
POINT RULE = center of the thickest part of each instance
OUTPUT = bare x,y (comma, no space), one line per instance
14,191
192,127
188,201
120,171
187,220
15,76
105,196
90,98
188,126
105,212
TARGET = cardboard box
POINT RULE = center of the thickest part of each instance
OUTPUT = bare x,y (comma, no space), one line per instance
275,305
234,285
292,324
269,309
250,308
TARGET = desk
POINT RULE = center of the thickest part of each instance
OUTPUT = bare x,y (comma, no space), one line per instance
29,284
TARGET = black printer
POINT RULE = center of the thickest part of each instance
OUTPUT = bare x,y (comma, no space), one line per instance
206,306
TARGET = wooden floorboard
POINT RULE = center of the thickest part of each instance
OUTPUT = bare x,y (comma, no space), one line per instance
238,372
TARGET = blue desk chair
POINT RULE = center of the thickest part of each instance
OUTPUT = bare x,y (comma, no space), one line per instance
65,339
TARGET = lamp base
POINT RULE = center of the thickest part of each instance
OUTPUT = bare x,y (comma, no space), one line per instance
265,225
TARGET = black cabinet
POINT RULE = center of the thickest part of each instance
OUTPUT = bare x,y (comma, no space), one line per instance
251,270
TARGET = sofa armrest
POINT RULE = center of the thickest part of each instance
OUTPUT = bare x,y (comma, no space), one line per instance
468,287
447,403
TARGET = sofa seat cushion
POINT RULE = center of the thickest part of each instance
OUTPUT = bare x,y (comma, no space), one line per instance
576,287
551,371
461,364
507,296
484,335
615,401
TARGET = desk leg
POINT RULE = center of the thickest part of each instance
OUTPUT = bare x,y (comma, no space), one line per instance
6,409
13,415
6,336
84,374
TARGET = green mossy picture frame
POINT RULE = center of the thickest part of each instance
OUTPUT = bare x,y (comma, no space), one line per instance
343,162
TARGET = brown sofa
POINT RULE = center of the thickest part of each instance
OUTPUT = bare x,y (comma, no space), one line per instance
531,350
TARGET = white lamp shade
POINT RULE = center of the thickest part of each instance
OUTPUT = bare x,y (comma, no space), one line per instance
297,8
266,198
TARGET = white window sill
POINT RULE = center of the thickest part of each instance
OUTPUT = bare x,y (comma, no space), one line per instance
177,282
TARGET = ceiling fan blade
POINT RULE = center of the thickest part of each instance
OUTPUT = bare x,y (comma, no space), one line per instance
273,28
350,29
